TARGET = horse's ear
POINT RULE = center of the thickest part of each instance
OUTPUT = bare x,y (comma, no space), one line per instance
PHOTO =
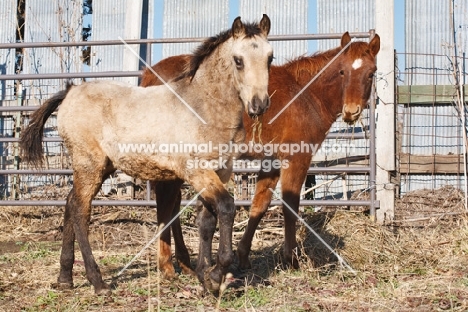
374,45
265,25
238,29
345,39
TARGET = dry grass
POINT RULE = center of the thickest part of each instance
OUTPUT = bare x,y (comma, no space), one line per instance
419,263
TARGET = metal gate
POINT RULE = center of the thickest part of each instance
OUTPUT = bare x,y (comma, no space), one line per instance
17,112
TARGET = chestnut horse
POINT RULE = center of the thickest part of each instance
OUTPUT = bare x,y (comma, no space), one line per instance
104,125
342,88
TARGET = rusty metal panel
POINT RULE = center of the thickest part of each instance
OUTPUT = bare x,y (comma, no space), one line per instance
188,18
287,17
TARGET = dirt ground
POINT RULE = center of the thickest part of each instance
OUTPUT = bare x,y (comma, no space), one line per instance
417,263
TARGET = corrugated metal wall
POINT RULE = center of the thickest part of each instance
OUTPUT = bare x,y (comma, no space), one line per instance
337,16
109,23
207,18
7,57
429,31
53,21
7,88
287,17
187,18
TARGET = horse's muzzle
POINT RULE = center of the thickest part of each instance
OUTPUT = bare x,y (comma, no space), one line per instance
350,116
258,106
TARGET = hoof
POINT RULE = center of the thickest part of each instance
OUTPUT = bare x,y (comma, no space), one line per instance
210,283
104,290
62,286
291,262
168,274
187,270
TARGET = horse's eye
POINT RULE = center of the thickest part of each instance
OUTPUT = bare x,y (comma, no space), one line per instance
239,62
342,72
371,75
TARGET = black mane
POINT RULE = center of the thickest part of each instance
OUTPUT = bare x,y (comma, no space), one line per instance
205,49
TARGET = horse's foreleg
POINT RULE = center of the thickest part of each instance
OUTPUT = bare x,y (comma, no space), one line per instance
67,256
226,214
292,179
206,223
216,197
181,252
167,196
260,203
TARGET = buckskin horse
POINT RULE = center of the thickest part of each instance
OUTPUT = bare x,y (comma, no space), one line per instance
226,75
342,88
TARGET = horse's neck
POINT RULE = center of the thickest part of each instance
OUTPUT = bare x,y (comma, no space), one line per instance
214,93
325,89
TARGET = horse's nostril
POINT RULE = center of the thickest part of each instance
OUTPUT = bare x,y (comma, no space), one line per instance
347,110
358,111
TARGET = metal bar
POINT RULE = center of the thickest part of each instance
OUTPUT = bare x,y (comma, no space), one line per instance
33,171
134,73
20,45
372,154
334,136
45,139
148,190
235,170
363,169
152,203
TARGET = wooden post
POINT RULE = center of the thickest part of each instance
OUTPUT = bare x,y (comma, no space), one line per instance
385,110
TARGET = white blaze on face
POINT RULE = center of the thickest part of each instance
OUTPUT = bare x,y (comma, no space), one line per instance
357,63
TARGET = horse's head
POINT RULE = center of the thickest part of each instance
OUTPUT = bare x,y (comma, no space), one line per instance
357,72
251,58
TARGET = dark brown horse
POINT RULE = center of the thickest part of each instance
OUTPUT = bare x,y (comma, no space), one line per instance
342,88
105,125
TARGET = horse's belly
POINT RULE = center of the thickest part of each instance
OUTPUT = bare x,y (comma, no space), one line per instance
146,168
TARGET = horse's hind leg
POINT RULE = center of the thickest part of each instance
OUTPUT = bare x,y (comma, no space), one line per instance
67,256
88,176
181,252
167,198
260,203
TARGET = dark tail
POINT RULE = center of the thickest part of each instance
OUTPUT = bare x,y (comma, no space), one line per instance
31,137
